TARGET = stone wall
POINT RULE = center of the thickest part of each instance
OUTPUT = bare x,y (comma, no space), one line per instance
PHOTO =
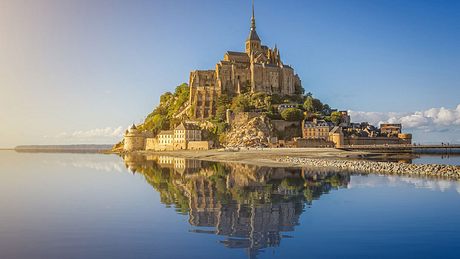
134,142
180,146
365,141
303,142
199,145
203,93
337,138
241,117
367,167
287,129
153,145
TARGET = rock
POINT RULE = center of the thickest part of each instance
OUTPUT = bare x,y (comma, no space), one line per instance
441,171
249,133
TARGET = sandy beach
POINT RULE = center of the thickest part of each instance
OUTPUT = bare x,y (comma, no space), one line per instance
272,156
330,158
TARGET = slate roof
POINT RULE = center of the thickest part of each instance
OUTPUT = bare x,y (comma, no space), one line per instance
166,132
187,126
234,53
253,35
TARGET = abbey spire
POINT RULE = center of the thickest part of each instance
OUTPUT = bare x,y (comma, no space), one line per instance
253,18
256,70
253,42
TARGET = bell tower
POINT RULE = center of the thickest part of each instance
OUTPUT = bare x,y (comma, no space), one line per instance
253,42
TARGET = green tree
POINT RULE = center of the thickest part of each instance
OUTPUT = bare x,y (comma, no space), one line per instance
162,117
268,102
223,103
299,90
276,99
292,114
180,97
326,110
165,97
336,118
182,90
157,123
258,100
312,105
241,103
308,104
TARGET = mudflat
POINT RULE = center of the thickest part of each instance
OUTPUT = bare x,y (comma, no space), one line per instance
272,156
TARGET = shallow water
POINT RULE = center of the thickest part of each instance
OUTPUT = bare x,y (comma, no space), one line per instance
438,159
92,206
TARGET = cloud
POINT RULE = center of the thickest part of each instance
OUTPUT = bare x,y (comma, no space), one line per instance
97,134
434,119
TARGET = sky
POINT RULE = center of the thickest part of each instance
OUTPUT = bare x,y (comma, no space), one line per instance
82,71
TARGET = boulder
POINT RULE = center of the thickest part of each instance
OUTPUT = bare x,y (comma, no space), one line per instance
250,133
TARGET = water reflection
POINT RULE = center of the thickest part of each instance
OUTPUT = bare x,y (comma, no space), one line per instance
437,185
250,206
79,205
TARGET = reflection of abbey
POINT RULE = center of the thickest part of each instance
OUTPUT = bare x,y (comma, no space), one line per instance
252,207
258,69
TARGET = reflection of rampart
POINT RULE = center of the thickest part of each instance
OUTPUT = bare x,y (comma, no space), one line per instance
249,205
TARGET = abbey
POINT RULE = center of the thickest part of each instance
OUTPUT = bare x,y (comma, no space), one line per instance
258,69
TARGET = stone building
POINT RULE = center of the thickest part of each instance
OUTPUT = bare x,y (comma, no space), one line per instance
184,136
315,133
345,119
285,106
166,137
258,69
316,129
341,140
134,139
185,133
336,136
318,133
390,129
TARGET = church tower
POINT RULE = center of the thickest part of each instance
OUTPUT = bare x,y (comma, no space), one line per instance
253,42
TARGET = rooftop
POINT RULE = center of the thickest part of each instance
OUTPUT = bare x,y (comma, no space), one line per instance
166,132
187,126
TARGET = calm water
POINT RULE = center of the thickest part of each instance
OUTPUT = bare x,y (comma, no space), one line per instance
93,206
440,159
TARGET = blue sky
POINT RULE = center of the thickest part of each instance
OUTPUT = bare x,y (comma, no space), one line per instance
82,71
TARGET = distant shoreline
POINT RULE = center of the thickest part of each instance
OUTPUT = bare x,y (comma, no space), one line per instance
89,148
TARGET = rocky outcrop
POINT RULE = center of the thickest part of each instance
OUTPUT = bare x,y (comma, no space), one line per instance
391,168
252,132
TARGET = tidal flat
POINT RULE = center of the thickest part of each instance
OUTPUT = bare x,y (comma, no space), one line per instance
329,158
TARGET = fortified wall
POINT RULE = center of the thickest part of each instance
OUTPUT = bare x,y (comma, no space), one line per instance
402,139
134,139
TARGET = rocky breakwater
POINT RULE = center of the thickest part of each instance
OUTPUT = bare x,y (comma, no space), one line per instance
390,168
253,132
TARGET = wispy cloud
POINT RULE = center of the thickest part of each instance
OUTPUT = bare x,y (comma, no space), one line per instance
96,135
434,119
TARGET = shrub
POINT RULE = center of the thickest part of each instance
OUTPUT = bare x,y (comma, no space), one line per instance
292,114
241,103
